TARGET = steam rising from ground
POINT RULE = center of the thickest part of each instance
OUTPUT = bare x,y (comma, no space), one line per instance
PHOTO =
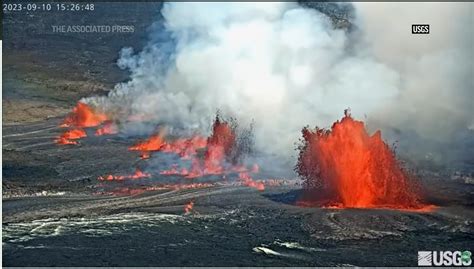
286,66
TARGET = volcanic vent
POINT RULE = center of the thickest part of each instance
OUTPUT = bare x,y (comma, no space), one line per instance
345,167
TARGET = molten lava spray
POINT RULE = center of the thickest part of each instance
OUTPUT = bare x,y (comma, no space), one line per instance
223,137
83,116
219,146
154,143
346,167
185,148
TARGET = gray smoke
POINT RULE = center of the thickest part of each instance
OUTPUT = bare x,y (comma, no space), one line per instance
286,66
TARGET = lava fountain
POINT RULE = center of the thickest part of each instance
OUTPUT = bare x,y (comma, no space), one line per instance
345,167
82,116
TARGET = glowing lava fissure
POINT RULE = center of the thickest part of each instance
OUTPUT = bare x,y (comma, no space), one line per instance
84,116
68,137
220,153
219,157
137,175
345,167
154,143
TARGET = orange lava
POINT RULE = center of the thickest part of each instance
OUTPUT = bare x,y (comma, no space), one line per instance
107,129
138,175
154,143
249,182
219,146
217,150
68,137
345,167
83,115
223,137
185,148
175,171
188,207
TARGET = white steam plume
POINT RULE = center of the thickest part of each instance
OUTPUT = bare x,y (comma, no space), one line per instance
286,66
436,89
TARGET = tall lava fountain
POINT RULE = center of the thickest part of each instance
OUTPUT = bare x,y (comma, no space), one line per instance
347,167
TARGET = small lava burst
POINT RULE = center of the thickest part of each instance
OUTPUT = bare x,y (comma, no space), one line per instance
83,115
219,146
223,137
153,143
188,207
346,167
68,137
218,149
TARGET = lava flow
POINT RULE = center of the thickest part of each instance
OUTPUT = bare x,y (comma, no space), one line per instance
68,137
346,167
138,175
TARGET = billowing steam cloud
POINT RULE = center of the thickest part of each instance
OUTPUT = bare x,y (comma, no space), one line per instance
432,113
286,66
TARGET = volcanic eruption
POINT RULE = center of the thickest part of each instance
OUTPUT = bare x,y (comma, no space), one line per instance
345,167
221,152
84,116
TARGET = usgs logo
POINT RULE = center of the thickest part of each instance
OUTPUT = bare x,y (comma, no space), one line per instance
420,28
444,258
